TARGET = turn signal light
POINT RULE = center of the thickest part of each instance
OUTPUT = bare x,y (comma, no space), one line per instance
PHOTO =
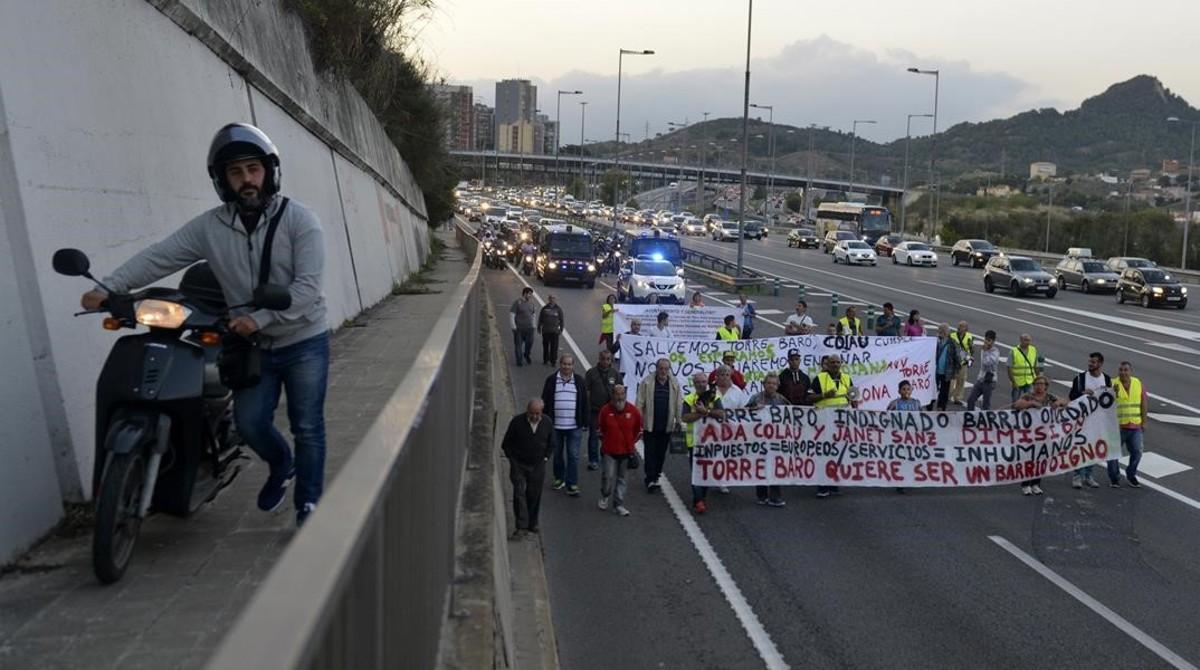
111,323
210,339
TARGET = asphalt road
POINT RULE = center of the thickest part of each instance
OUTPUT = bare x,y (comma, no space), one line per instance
935,578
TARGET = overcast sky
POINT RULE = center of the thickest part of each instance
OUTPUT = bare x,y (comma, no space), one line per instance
827,63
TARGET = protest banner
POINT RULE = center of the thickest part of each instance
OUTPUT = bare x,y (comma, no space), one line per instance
876,365
794,445
687,323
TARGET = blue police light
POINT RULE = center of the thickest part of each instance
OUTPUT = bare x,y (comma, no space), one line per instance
657,257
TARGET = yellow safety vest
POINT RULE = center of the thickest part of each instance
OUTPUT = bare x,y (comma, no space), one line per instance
844,323
1023,365
840,387
606,318
728,334
690,401
967,342
1129,404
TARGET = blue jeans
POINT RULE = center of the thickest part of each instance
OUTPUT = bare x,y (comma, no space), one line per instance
303,370
1132,441
1018,391
566,456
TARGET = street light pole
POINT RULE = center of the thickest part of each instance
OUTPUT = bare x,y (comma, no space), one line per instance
934,183
904,185
853,138
808,212
1049,208
617,152
770,148
582,121
745,140
1187,197
557,135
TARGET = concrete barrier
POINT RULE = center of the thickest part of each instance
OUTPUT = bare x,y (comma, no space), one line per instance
108,109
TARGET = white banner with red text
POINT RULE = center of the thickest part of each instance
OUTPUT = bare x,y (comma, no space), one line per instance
685,322
876,365
793,445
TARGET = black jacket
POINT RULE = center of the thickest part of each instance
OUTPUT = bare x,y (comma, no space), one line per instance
795,390
1079,385
525,446
582,410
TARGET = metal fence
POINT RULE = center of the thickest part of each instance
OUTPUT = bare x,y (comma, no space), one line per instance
365,584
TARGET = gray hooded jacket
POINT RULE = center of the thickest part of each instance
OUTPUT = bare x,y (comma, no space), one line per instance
217,236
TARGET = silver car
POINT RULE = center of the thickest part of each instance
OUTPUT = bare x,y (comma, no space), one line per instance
1088,274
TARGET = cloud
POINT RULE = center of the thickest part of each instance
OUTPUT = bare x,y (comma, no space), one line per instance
817,80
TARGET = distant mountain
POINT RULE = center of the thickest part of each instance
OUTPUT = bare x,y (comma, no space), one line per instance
1122,129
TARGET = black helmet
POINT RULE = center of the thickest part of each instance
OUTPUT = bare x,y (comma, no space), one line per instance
239,141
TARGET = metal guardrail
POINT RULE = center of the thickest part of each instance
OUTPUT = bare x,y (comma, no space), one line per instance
365,584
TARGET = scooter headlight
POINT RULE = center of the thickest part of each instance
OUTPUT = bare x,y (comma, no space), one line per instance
161,313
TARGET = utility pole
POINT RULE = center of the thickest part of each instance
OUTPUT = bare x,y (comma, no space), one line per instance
582,122
557,135
904,185
617,153
745,141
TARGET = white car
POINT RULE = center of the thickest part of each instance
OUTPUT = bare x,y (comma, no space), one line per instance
914,253
724,230
650,281
694,227
854,252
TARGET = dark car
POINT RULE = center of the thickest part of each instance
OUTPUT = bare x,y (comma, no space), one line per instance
973,252
1088,274
752,229
1119,264
1018,275
803,238
886,244
834,236
1150,287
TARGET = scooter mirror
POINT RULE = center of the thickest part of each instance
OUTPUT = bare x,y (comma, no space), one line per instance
71,262
273,297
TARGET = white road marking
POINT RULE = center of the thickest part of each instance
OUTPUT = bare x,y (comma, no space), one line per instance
1179,419
1174,347
1157,466
1122,624
741,607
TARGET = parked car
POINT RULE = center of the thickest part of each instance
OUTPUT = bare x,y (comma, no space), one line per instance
834,236
886,243
1119,264
725,230
914,253
854,252
975,253
803,238
1088,274
1018,275
1151,286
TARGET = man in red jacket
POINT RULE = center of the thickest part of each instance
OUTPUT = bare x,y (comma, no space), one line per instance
728,359
620,425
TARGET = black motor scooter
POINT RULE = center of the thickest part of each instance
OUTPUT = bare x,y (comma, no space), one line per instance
165,440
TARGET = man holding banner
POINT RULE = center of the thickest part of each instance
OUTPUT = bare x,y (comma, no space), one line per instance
702,404
659,400
832,389
768,397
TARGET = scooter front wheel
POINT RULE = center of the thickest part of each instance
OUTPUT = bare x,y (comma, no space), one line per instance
117,522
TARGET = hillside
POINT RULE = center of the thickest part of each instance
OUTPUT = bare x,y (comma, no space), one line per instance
1121,129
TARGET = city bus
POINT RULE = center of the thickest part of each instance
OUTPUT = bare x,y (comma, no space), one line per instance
869,222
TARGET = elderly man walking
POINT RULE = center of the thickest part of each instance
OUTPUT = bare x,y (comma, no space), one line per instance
527,444
566,400
620,425
660,401
769,495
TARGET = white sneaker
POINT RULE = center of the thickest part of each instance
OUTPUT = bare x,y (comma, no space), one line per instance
1025,490
724,489
1076,482
1037,490
603,503
1091,481
622,511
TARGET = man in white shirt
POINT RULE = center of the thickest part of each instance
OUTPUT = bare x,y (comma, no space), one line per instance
1089,382
662,328
564,396
799,323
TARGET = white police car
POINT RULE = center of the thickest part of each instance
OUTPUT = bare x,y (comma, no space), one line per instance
645,279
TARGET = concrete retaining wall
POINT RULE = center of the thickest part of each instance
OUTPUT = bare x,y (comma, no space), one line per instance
107,109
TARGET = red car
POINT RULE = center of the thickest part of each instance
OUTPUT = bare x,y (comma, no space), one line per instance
885,245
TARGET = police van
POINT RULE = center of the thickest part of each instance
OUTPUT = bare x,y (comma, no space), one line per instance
565,255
